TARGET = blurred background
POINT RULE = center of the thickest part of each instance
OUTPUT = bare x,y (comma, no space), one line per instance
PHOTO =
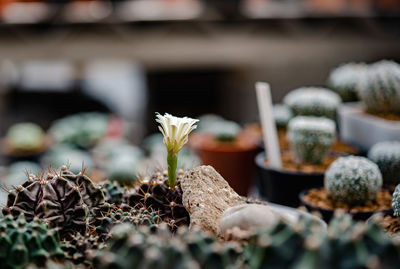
131,58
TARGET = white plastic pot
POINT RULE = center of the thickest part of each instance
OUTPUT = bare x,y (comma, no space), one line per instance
364,130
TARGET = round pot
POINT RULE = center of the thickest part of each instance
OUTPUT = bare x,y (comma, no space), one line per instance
283,186
327,214
234,161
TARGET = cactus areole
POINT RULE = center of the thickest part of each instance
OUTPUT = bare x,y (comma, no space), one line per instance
175,131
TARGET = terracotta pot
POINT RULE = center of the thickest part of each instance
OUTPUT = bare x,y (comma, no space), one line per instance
233,160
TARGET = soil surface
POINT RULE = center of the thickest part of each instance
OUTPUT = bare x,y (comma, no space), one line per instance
393,117
391,224
320,198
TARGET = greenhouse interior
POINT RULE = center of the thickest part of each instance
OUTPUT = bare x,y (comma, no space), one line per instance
188,134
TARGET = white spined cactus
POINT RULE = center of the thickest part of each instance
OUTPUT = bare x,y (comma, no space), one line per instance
310,138
176,132
282,115
396,201
353,180
346,80
387,156
313,101
380,90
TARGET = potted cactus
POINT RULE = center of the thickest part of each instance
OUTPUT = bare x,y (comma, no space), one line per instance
229,148
353,184
24,141
346,79
386,155
304,162
377,117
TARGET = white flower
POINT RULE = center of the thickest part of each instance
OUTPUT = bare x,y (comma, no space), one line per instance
175,130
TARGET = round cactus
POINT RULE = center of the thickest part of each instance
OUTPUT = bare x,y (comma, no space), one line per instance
346,79
313,101
310,138
25,137
223,130
282,115
380,91
387,156
353,180
396,201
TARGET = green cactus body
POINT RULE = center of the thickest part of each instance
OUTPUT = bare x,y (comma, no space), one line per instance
353,180
387,156
142,248
380,91
23,242
396,201
26,137
65,200
310,138
346,80
313,101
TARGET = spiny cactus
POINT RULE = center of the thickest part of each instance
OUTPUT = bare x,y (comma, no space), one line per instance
346,80
80,248
353,180
23,242
380,91
113,193
132,248
25,137
396,201
65,200
387,156
155,193
282,115
310,138
313,101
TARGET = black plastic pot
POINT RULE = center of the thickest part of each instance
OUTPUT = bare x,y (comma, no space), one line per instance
282,186
328,214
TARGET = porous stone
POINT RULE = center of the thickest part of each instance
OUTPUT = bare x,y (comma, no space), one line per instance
206,195
252,217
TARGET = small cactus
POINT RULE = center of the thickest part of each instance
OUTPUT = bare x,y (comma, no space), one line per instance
282,115
310,138
380,91
25,137
353,180
24,242
387,156
313,101
396,201
346,80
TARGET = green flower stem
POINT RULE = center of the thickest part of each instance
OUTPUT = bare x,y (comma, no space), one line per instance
172,160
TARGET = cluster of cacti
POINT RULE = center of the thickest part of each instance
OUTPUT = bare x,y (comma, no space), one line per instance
310,138
387,156
25,137
80,248
82,130
347,79
23,242
313,101
380,91
62,199
353,180
142,248
155,193
113,193
282,115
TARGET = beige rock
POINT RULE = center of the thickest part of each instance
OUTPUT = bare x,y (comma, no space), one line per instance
252,217
206,195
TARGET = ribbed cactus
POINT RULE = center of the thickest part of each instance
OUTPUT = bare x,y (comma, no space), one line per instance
380,91
396,201
310,138
353,180
23,242
387,156
346,80
313,101
113,193
62,199
282,115
132,248
155,193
